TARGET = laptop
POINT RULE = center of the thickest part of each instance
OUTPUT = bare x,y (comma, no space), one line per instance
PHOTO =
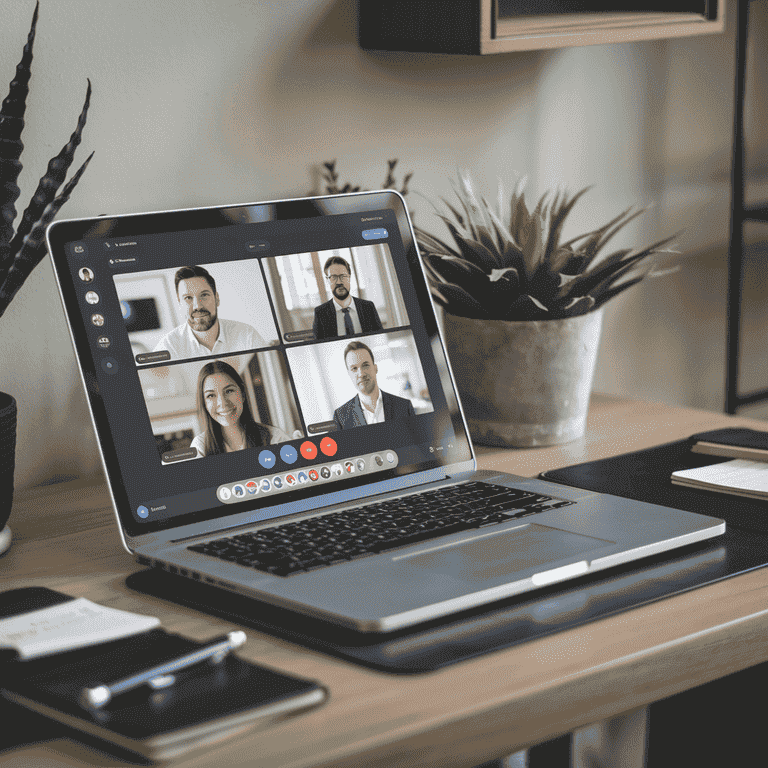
277,417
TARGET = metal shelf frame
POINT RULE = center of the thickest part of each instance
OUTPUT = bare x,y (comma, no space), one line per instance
741,213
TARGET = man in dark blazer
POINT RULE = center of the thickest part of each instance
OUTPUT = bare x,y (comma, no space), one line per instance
344,314
370,405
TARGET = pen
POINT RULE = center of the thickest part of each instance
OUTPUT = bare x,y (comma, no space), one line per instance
161,676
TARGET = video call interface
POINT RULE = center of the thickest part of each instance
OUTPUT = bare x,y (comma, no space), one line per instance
268,368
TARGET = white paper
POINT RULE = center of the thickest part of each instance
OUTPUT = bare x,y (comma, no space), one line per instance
74,624
739,474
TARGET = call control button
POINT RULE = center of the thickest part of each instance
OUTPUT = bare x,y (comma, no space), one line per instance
267,459
288,454
328,446
308,450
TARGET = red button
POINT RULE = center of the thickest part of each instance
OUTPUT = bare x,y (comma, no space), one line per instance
308,450
328,446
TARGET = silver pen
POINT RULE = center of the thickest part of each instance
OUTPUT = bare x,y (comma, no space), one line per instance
162,676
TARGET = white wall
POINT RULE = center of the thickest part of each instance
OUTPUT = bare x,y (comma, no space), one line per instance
220,101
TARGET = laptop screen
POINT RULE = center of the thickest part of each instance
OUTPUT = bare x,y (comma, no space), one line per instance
246,357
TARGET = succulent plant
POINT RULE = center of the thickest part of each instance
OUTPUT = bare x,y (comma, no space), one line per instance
23,249
509,264
333,185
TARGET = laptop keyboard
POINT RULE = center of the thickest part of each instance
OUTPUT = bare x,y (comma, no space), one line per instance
362,531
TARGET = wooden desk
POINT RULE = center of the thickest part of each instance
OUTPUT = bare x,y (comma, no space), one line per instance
66,538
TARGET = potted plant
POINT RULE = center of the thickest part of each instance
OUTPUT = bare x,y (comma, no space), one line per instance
22,247
523,310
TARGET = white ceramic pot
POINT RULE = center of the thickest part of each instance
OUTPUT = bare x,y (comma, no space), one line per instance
524,383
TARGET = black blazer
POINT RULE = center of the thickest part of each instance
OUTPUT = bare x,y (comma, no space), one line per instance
324,324
351,413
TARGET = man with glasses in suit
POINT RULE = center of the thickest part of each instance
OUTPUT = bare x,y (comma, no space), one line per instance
344,314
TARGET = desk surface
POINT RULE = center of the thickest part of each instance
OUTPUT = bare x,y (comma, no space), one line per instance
65,538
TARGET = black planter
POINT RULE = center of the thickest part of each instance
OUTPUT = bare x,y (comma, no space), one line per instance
7,460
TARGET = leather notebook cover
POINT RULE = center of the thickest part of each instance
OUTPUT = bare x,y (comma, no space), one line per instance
207,701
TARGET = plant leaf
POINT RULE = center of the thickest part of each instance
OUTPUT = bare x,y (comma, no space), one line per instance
33,249
11,126
54,176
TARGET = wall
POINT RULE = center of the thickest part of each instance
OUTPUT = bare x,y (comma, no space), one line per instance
199,102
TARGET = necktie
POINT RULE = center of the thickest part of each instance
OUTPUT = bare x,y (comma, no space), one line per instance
347,322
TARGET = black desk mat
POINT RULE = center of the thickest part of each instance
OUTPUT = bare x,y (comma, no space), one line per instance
438,644
645,476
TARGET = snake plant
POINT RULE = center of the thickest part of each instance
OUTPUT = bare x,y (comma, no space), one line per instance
23,247
509,263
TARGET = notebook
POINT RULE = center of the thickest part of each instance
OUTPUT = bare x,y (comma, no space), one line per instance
277,417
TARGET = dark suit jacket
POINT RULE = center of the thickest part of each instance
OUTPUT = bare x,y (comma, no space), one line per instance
324,324
351,413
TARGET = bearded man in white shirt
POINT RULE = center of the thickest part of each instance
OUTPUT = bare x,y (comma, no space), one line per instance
204,332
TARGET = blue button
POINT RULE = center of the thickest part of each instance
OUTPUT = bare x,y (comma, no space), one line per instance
288,454
267,459
142,511
375,234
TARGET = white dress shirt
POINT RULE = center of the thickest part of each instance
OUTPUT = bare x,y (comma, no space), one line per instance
377,417
234,336
340,327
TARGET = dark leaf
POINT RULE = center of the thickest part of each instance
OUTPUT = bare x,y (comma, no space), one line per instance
54,177
33,249
11,126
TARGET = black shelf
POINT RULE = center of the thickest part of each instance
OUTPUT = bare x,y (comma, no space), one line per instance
741,213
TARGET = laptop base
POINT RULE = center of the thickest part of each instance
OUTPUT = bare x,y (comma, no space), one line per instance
440,643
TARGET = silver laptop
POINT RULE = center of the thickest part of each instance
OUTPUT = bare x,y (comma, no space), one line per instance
277,417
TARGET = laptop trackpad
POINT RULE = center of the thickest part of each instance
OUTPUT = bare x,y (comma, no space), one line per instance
495,555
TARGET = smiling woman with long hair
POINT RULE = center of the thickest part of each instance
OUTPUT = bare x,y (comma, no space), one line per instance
223,409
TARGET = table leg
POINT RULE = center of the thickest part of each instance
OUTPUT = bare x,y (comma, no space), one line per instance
622,740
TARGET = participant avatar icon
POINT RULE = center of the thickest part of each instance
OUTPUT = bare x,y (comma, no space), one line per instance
379,461
277,482
290,479
239,491
313,476
349,466
103,341
325,473
337,470
252,486
224,493
361,465
303,477
92,297
97,319
266,486
86,275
